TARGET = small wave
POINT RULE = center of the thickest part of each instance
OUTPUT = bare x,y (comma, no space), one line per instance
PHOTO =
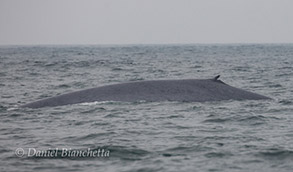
10,109
3,108
63,86
217,120
196,66
96,103
252,120
94,136
6,96
182,150
112,102
285,102
241,69
51,64
117,69
275,86
93,110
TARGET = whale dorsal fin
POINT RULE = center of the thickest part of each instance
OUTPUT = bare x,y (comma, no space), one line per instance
217,77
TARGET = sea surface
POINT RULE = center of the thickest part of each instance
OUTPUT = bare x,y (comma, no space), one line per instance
236,136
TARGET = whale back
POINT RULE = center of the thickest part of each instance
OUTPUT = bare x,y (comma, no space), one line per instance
188,90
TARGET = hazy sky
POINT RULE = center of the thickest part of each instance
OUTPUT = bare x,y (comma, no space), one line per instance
145,21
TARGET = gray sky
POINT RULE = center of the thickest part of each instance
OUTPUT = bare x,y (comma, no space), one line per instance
145,21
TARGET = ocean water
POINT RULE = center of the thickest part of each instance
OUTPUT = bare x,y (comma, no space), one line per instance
146,136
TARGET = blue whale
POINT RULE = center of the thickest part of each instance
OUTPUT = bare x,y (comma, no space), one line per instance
186,90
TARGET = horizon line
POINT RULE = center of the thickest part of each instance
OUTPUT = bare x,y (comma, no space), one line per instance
146,44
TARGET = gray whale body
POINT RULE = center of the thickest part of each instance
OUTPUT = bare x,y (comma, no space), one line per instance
186,90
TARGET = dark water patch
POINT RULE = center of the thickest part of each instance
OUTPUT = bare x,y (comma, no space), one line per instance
79,123
276,154
178,127
156,71
196,66
94,136
12,131
172,154
251,120
101,62
63,86
117,69
284,75
34,74
183,150
275,86
242,68
3,109
57,63
3,74
216,129
196,107
285,102
82,64
255,104
252,161
46,95
137,79
175,116
145,169
38,63
286,67
16,115
96,109
218,120
78,84
278,110
217,139
100,124
113,115
186,138
3,150
21,137
127,153
218,154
